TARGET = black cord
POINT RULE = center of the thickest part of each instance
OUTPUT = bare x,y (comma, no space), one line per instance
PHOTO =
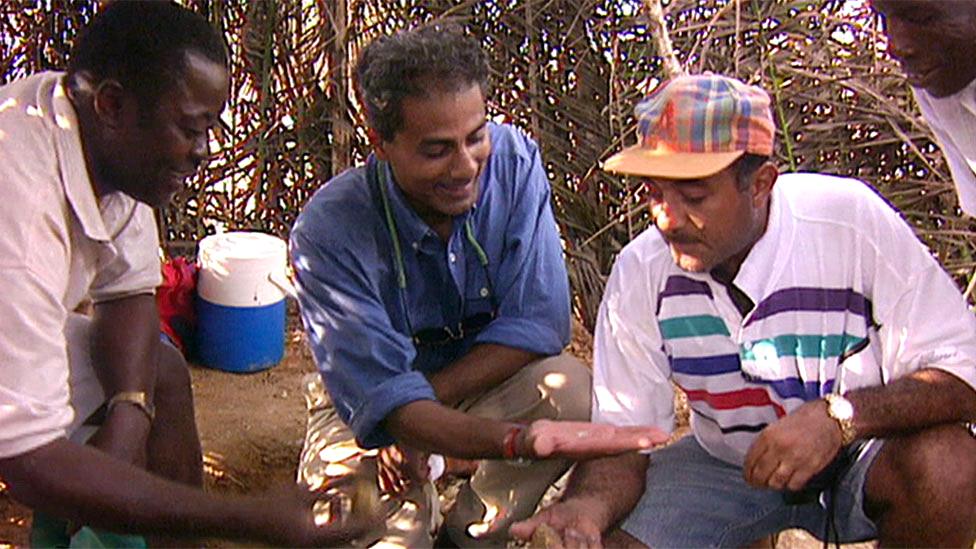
830,527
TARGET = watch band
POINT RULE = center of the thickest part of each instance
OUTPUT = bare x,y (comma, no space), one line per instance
137,398
842,411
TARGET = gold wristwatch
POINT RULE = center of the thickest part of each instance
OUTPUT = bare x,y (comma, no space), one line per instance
841,410
137,398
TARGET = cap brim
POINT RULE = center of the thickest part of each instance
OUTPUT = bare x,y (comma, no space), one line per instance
645,162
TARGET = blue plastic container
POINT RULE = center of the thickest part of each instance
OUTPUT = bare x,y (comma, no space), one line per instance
241,301
240,339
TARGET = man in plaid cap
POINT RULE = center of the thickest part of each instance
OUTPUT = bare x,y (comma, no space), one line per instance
827,358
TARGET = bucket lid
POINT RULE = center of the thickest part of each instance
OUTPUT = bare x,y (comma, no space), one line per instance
242,246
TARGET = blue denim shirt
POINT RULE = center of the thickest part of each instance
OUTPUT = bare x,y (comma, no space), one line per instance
354,309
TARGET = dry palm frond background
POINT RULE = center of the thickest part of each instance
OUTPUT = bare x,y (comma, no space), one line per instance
566,71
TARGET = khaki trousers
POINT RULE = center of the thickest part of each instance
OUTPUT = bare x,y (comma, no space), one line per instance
497,495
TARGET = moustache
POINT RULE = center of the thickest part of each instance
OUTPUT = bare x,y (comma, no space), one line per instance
679,238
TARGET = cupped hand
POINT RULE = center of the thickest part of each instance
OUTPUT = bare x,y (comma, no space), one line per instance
579,440
789,452
332,515
399,466
574,523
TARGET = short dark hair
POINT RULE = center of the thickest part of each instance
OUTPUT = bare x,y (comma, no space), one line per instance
408,63
745,166
143,45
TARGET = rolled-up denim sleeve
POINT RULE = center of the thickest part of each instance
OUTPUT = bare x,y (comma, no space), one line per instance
364,362
532,285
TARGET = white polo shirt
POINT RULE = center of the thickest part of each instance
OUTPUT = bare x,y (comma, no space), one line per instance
845,297
953,121
58,244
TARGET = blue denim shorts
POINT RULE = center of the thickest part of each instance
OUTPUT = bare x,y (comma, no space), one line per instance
695,500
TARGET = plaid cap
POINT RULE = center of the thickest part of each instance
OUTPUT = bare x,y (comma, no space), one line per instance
695,126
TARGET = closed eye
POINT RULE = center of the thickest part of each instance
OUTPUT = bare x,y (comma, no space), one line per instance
435,152
478,136
192,133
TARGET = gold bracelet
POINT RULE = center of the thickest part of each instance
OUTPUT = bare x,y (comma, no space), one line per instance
137,398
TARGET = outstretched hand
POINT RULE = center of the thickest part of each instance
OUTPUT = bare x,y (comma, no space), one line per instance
578,440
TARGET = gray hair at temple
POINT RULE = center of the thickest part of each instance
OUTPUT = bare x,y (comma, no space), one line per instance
411,63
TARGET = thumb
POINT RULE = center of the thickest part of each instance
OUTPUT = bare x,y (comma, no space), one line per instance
525,528
541,445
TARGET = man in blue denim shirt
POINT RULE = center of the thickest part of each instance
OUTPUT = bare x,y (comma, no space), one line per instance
436,303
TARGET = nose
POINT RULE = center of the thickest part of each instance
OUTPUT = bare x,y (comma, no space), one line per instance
466,164
900,44
200,150
669,215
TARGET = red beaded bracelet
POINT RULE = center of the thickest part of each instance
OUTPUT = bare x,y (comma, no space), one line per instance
510,442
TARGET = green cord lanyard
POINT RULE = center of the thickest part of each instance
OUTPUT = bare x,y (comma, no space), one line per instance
382,179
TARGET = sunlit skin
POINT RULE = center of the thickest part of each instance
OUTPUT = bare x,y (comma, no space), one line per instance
148,152
934,40
710,224
439,154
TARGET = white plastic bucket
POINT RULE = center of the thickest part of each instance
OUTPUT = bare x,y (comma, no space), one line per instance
243,269
241,293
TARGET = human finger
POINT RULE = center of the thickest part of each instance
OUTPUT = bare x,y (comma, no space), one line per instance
386,479
780,476
749,462
417,465
575,538
761,469
389,476
550,520
753,458
337,525
524,529
587,443
798,480
637,438
327,485
804,473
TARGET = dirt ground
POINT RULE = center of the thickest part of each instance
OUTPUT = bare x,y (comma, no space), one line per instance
252,428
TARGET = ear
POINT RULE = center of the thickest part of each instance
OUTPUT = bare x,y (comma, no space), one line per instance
762,183
377,142
109,103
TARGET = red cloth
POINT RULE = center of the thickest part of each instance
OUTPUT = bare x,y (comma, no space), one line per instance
174,298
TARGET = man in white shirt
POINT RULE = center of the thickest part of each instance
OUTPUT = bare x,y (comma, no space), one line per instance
935,42
828,360
85,156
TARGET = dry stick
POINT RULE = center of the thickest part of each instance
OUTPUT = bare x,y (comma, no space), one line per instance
970,287
659,30
703,36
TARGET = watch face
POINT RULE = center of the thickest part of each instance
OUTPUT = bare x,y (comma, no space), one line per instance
841,408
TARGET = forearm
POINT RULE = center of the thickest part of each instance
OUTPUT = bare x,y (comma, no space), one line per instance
89,487
922,399
611,486
125,344
484,367
432,427
125,356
